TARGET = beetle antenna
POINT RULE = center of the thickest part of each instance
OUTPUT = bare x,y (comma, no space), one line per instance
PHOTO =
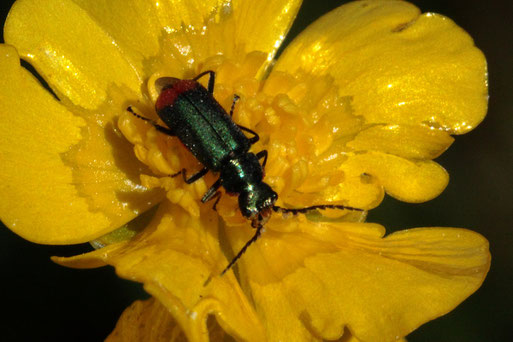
137,115
313,207
243,249
159,128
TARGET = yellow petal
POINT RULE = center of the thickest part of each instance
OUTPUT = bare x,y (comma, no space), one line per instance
177,258
134,25
413,142
228,27
70,50
350,338
359,178
407,180
150,321
231,29
146,321
322,277
262,25
399,66
82,48
105,169
39,201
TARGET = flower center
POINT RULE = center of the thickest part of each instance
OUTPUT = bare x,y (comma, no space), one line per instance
302,122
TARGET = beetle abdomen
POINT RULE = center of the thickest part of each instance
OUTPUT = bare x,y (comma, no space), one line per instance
201,124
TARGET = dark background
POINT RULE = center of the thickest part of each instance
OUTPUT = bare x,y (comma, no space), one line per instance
46,302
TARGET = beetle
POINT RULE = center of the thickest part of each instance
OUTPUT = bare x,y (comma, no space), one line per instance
191,113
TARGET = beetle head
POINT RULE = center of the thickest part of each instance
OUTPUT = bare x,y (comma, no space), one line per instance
256,203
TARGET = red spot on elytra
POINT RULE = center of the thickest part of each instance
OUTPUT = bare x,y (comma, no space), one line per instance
168,96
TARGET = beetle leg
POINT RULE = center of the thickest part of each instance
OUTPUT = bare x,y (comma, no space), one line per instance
217,196
211,79
262,154
212,192
159,128
255,136
193,178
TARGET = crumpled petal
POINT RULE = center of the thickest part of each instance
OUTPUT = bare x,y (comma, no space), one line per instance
233,29
39,201
147,321
407,180
69,179
399,66
178,260
124,39
75,56
411,79
150,321
322,277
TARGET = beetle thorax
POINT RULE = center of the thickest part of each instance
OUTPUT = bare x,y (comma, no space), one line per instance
243,176
241,173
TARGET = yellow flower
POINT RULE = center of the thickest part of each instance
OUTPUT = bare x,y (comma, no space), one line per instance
358,105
